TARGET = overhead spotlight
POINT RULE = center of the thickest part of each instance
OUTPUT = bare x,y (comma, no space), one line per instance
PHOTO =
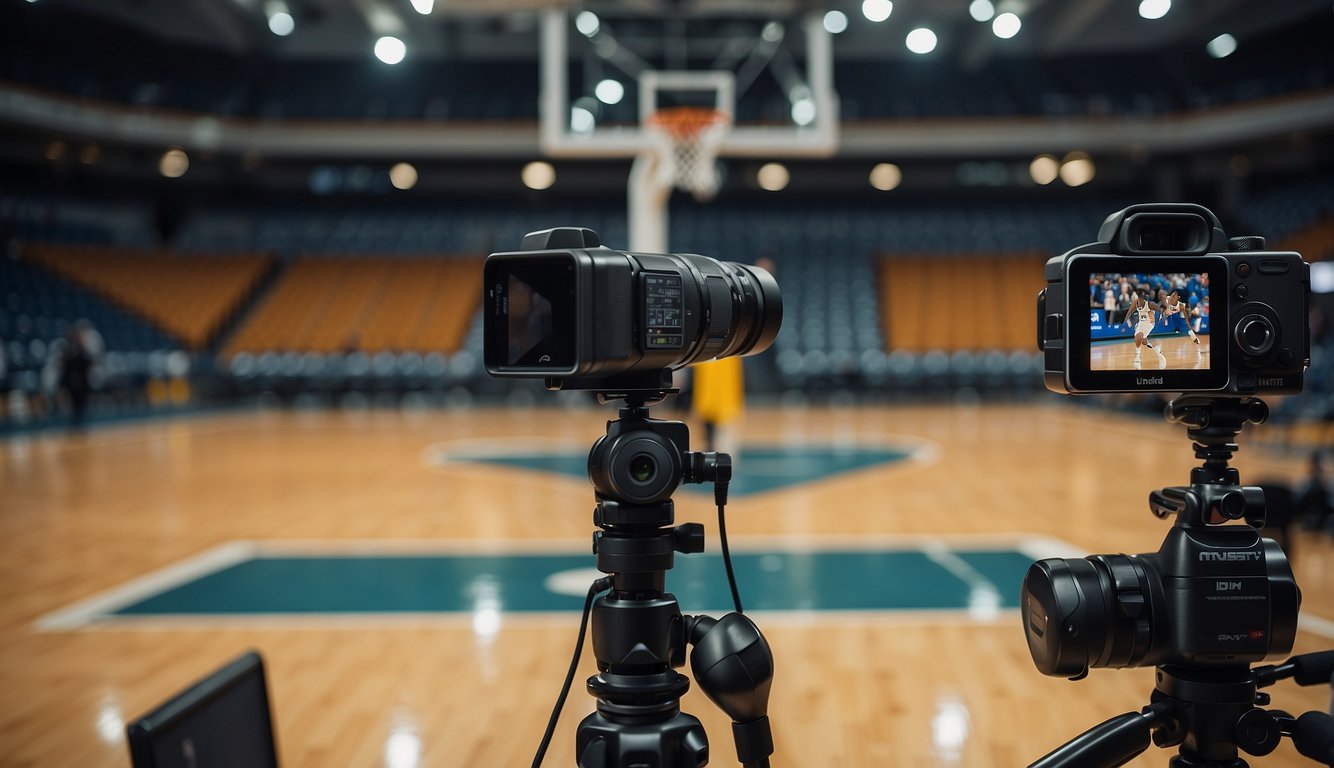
772,177
773,32
390,50
582,120
1222,46
1006,25
1044,169
280,18
981,10
921,40
609,91
877,10
1154,9
587,23
803,111
1076,169
403,176
174,163
886,176
538,175
424,7
836,22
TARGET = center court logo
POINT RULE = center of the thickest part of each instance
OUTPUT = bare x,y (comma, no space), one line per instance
1146,380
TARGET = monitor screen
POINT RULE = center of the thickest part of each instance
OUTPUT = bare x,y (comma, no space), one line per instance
222,720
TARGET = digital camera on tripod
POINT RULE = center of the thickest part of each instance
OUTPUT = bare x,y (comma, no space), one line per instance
1216,597
582,316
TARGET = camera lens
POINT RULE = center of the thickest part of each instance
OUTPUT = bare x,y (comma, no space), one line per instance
642,468
1081,613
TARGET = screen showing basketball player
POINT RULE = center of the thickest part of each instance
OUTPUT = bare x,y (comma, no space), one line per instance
1148,321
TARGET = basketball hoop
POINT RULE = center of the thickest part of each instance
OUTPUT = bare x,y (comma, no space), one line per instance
694,135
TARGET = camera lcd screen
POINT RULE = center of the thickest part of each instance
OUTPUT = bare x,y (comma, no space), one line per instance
1146,324
531,308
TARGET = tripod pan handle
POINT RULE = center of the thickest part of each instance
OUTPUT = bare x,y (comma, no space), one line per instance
1106,745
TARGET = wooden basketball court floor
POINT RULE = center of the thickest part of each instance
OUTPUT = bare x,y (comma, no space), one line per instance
1179,352
86,515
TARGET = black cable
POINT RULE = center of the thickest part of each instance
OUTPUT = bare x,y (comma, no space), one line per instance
601,585
727,558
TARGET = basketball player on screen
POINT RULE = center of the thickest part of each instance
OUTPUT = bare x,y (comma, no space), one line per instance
1142,313
1174,316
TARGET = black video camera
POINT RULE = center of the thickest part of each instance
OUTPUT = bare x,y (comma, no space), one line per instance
1216,595
1173,304
566,308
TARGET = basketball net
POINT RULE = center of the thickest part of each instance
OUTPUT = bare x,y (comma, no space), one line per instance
693,135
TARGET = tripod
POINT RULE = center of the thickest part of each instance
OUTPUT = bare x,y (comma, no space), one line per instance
639,633
1206,705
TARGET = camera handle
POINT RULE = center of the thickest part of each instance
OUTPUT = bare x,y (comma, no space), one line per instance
1210,714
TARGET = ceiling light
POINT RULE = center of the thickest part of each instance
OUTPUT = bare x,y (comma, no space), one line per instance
835,22
803,111
403,176
390,50
886,176
772,177
1222,46
1044,169
174,163
1154,9
587,23
538,175
1077,169
921,40
877,10
609,91
1006,25
981,10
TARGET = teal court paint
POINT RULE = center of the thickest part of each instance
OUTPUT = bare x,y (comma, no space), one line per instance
353,578
759,468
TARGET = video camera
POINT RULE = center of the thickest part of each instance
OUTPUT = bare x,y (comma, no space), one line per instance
566,308
1247,306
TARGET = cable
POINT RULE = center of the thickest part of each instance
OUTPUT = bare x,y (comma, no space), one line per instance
727,559
601,585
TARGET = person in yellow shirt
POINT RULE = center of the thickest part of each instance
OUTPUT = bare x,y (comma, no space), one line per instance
719,399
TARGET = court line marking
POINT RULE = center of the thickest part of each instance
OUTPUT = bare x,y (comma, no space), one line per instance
97,611
921,452
152,583
100,608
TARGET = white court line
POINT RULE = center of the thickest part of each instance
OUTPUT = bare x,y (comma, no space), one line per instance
156,582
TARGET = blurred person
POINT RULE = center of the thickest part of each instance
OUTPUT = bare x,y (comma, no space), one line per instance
718,399
76,366
1315,504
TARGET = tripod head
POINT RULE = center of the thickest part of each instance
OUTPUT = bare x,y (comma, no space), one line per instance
1214,599
1215,494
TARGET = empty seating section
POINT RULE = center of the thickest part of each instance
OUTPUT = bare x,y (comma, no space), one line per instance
369,304
190,297
39,307
1298,217
953,302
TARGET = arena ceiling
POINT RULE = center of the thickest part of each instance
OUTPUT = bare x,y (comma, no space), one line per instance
481,29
